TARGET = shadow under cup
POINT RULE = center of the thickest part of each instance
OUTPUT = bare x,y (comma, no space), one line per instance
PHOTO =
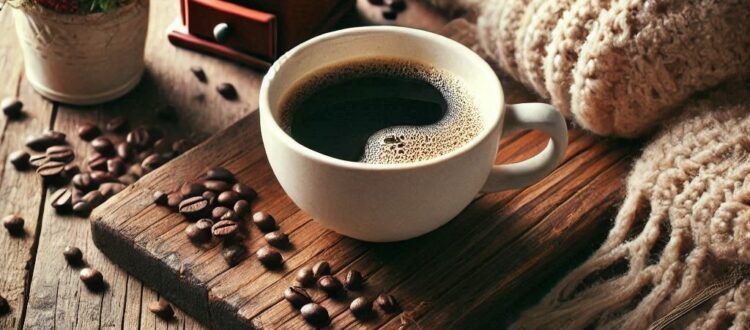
381,202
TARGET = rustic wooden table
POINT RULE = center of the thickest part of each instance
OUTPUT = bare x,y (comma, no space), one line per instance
43,292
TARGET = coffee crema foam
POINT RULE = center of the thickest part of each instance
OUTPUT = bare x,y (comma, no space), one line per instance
400,144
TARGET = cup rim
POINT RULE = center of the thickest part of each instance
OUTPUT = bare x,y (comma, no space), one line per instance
278,131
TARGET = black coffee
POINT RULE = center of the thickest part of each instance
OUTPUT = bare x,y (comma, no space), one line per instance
382,111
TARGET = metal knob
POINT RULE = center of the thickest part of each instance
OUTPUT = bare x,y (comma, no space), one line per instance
221,32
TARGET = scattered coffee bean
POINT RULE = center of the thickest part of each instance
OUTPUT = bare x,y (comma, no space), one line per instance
20,159
330,285
244,191
92,278
354,280
96,162
12,107
233,254
103,145
228,198
127,179
153,162
13,223
218,212
191,190
82,208
51,170
88,131
321,268
180,146
305,276
264,221
46,140
116,166
73,255
199,73
315,315
216,185
160,198
230,215
84,182
210,196
117,125
220,173
136,170
77,195
173,201
93,198
242,208
269,257
199,232
161,309
124,151
227,90
387,303
193,207
277,239
37,160
60,153
390,14
162,146
62,200
166,112
100,177
139,138
225,229
71,170
361,308
297,296
4,306
109,189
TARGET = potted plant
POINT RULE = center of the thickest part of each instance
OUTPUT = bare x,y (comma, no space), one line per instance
82,51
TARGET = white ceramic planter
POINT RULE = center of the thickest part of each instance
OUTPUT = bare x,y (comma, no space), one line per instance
83,59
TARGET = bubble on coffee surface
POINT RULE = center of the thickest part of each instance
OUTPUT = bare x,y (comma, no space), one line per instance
402,144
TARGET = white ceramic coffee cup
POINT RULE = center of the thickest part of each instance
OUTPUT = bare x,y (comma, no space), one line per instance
392,202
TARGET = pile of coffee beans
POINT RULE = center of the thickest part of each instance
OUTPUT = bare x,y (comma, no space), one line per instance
320,273
218,207
391,8
120,158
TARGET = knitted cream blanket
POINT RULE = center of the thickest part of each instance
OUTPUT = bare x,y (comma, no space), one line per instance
623,67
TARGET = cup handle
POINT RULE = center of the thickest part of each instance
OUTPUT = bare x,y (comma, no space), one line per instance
535,116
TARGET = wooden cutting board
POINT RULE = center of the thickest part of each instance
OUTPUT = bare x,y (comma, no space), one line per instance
499,255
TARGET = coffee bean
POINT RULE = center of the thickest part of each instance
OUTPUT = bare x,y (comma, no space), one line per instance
84,182
117,125
244,191
199,232
51,170
199,73
160,198
161,309
82,208
4,306
387,303
96,162
216,185
62,200
92,278
124,151
361,308
220,173
46,140
233,254
110,189
136,170
210,196
353,280
12,107
315,315
162,146
77,195
305,276
93,198
173,201
60,153
242,208
191,189
330,285
166,112
154,134
390,14
297,296
264,221
20,159
103,145
71,170
218,212
228,198
88,131
153,162
227,90
127,179
180,146
139,138
269,257
73,255
13,223
116,166
100,177
225,229
376,2
230,215
277,239
398,6
193,207
321,268
37,160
